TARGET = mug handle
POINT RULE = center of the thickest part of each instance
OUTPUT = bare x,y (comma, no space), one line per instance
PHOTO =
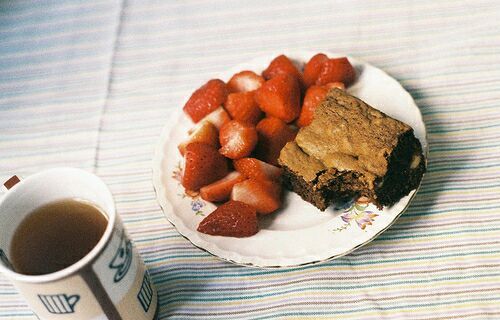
72,300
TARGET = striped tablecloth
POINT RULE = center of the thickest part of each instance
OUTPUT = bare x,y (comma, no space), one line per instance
90,84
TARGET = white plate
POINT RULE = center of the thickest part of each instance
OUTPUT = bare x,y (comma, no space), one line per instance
299,233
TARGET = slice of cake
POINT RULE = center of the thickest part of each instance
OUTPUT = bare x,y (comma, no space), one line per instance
352,150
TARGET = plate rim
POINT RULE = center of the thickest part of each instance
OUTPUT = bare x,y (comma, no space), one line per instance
166,206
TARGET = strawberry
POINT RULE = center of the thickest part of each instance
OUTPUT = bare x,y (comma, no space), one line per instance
263,195
203,165
232,219
237,139
220,190
242,106
273,135
204,131
255,169
280,97
313,68
332,85
281,65
336,70
206,99
314,95
218,117
245,81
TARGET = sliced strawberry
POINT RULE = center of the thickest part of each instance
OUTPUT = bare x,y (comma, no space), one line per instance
242,106
237,139
313,68
218,117
220,190
263,195
332,85
255,169
204,131
314,96
273,135
281,65
206,99
245,81
336,70
203,165
280,97
232,219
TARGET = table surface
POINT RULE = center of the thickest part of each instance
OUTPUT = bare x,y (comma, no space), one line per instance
90,84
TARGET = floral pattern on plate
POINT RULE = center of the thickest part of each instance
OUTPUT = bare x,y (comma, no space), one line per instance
358,213
197,204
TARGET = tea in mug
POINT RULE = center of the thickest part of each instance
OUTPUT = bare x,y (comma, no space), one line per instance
56,236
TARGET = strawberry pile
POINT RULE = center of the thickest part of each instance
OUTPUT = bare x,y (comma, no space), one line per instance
231,154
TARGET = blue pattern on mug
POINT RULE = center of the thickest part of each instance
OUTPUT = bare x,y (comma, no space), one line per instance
5,260
145,294
122,258
59,303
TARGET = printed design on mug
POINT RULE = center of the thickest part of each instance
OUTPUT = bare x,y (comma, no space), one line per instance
5,260
145,294
59,303
122,259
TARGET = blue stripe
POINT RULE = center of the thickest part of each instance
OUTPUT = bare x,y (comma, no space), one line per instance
379,307
320,288
338,262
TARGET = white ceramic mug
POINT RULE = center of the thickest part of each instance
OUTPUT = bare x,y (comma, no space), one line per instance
110,282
